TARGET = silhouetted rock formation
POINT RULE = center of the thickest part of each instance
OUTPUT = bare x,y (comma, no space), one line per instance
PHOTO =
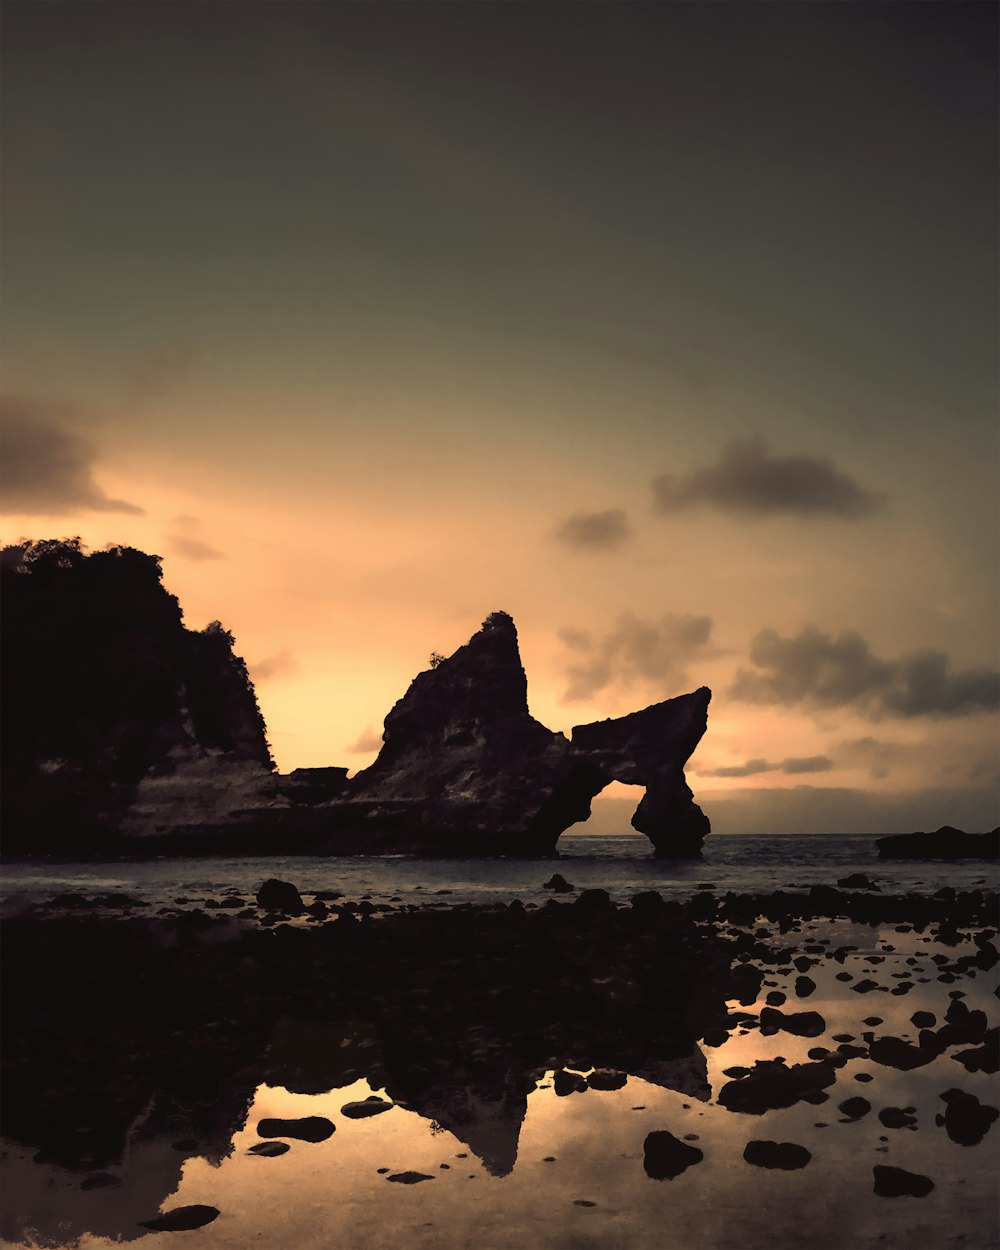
103,687
945,843
122,724
464,760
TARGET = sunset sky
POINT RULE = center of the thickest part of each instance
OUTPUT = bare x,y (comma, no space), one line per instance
670,329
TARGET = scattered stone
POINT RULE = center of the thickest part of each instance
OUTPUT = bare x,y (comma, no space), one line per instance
896,1117
799,1023
372,1105
771,1085
893,1052
180,1219
966,1119
665,1156
583,1202
924,1019
804,986
606,1078
898,1183
409,1178
312,1128
565,1082
558,883
276,895
269,1149
785,1155
855,1108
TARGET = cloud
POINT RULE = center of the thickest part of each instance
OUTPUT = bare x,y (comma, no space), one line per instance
368,742
283,664
192,548
800,764
816,668
601,531
807,764
749,480
636,650
48,468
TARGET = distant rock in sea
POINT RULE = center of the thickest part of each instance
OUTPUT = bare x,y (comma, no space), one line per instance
128,730
945,843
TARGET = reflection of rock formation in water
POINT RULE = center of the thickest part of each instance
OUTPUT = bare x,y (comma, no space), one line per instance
455,1014
123,724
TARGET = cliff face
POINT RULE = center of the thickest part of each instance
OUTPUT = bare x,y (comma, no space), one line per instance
124,729
104,687
464,759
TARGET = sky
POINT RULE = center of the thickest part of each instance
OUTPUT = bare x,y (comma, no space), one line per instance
670,329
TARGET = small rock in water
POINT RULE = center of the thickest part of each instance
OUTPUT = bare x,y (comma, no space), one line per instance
606,1078
312,1128
372,1105
269,1149
896,1117
966,1119
664,1156
558,883
275,895
898,1183
180,1219
409,1178
855,1108
569,1083
785,1155
583,1202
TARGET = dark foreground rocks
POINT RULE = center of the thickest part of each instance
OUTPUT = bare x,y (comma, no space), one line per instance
281,896
771,1085
314,1128
898,1183
665,1156
181,1219
966,1119
365,1109
784,1155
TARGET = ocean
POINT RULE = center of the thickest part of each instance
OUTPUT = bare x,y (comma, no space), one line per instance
621,864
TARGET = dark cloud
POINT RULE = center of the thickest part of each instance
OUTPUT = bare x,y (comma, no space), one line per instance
598,530
192,548
807,764
800,764
368,742
281,665
634,650
749,480
48,468
816,668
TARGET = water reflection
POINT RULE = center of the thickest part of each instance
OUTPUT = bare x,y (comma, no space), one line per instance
512,1149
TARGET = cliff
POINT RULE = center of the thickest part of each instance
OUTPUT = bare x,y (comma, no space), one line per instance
105,689
464,761
126,732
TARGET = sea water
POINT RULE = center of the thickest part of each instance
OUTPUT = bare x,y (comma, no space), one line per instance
622,864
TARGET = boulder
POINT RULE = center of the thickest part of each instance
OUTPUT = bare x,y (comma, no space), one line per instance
665,1156
275,895
898,1183
784,1155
